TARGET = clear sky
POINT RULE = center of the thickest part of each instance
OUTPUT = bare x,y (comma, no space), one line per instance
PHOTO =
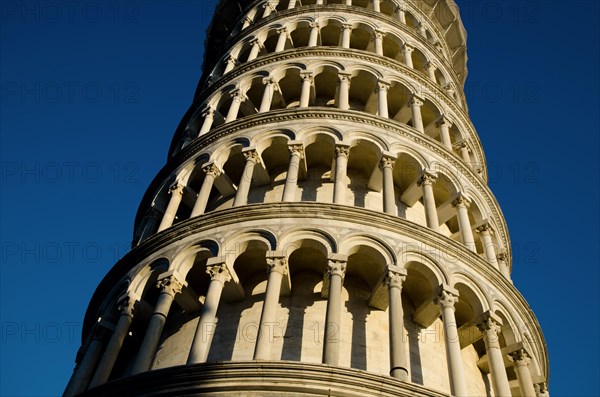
91,93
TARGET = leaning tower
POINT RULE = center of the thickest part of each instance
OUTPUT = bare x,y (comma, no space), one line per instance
322,225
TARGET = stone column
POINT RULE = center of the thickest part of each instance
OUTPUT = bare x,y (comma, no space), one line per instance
401,15
115,343
431,215
346,32
291,4
268,9
450,90
394,278
344,91
234,108
376,5
267,98
431,68
188,137
283,35
219,275
417,118
169,286
307,82
464,151
176,192
211,172
247,22
447,299
389,199
382,103
209,115
408,50
378,38
84,370
461,203
422,30
444,125
485,231
521,361
541,390
231,63
150,226
277,269
291,179
348,2
256,46
490,327
331,348
252,158
502,258
341,165
313,38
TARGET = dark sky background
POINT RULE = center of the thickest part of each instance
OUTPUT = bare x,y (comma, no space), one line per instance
92,91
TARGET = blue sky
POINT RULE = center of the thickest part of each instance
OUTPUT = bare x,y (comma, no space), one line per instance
91,93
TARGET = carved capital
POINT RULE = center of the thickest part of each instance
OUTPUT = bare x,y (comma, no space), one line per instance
251,155
232,60
378,34
296,150
430,66
346,26
336,267
407,48
520,357
394,277
126,305
177,188
490,325
450,88
314,25
416,101
502,256
446,299
268,80
281,30
428,178
342,150
444,121
307,76
485,228
219,273
461,145
344,77
278,264
387,162
255,43
211,169
461,201
383,85
169,285
208,112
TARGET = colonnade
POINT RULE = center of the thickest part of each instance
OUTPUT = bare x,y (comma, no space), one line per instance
98,360
422,187
257,47
400,13
441,125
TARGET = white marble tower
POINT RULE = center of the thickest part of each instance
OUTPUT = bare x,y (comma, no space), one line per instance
323,224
